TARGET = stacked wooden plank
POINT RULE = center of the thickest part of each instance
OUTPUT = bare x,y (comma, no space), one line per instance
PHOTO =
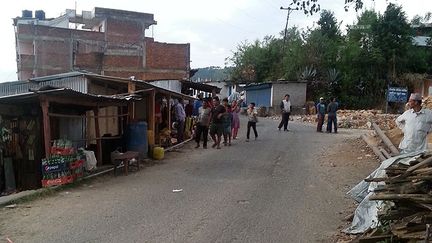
409,187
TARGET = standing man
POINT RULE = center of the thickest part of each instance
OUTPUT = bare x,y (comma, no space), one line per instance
332,117
203,125
180,118
415,123
216,127
285,107
321,110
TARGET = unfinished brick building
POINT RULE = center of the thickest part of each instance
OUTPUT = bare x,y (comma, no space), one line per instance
103,41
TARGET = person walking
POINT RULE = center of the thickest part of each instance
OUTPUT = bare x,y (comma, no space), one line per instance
216,127
332,116
235,125
180,118
252,121
285,107
204,115
321,110
415,123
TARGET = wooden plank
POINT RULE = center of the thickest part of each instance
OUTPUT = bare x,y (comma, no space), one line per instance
389,197
374,148
131,87
82,116
47,127
152,117
169,112
385,139
74,101
98,142
425,162
385,153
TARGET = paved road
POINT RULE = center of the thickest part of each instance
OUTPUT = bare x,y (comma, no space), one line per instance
269,190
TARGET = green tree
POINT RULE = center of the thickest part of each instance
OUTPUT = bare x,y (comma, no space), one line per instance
392,37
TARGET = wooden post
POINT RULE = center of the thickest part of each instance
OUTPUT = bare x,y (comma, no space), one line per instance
98,138
152,117
169,112
47,127
131,87
385,139
374,148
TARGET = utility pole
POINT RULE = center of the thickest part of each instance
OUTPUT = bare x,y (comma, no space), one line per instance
289,11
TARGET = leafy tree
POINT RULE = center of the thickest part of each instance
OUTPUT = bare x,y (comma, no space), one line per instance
257,62
309,7
392,37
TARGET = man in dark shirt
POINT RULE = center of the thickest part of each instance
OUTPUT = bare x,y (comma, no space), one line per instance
331,117
216,127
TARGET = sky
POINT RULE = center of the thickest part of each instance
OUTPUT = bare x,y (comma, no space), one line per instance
213,28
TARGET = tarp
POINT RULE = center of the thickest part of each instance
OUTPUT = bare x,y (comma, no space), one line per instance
366,214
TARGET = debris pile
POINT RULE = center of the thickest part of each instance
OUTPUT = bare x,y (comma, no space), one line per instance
408,188
360,119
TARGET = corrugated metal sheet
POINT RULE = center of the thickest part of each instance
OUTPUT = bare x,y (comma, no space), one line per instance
260,95
77,83
173,85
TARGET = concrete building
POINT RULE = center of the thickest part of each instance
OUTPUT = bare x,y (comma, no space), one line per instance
104,41
270,94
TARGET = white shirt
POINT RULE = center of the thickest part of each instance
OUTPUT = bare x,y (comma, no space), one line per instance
287,106
415,126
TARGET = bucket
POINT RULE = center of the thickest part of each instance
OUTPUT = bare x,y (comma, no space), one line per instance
158,153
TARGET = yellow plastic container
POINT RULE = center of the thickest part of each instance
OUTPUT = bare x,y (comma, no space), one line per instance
158,153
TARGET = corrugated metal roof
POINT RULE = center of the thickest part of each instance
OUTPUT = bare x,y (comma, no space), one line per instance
102,100
58,76
76,80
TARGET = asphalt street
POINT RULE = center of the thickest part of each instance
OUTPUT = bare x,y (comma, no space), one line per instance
268,190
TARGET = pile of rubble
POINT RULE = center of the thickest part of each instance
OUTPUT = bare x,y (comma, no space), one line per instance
360,119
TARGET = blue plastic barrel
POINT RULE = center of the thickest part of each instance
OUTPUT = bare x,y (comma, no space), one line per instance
137,138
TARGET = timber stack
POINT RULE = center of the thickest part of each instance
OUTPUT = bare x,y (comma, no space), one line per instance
409,189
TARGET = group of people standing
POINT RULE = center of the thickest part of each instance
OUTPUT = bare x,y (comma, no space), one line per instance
220,120
330,109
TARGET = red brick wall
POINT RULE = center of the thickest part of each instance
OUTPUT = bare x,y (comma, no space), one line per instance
123,61
167,56
123,31
100,51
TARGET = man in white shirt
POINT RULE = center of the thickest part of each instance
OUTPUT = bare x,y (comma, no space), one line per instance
415,123
285,107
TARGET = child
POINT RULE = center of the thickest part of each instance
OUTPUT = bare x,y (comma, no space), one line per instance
235,124
227,125
252,120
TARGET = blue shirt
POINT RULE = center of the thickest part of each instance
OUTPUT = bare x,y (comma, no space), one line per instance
197,104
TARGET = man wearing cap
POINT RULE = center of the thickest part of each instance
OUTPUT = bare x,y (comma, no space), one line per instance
415,123
321,110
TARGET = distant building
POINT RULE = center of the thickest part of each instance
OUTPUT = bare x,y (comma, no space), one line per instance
270,94
104,41
422,34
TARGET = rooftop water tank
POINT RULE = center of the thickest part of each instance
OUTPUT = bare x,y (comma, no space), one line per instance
28,14
40,14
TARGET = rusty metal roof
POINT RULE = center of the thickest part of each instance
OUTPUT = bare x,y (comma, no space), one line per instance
67,94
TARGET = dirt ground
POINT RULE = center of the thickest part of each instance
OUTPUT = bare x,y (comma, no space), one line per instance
341,165
345,165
